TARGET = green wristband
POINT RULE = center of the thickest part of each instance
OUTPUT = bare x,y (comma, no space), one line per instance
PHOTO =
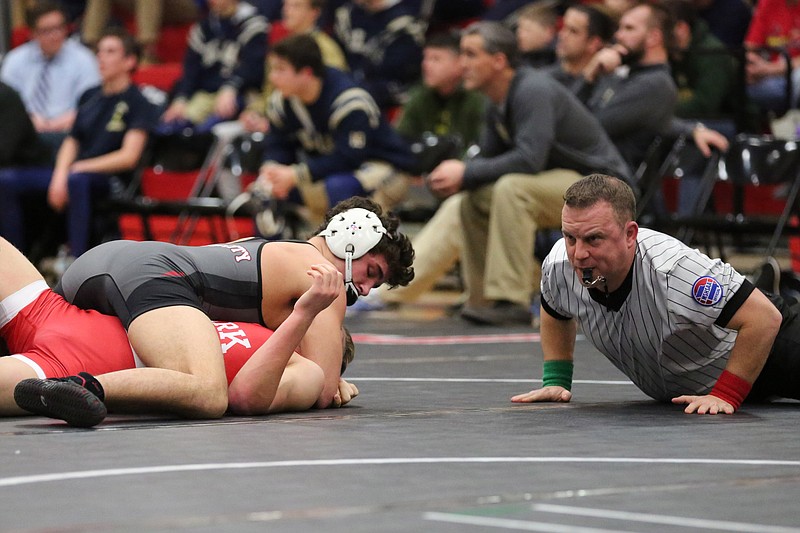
557,374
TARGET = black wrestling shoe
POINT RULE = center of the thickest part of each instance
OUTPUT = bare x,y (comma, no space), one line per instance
60,398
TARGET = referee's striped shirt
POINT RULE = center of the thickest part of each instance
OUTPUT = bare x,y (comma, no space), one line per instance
664,327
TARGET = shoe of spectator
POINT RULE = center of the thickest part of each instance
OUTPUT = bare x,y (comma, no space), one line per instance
60,398
501,313
768,276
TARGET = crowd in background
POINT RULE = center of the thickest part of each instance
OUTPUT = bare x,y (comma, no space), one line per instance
500,104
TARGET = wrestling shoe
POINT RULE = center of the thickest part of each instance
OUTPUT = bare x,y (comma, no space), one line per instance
69,399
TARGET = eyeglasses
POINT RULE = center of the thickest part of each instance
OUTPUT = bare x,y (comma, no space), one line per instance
47,30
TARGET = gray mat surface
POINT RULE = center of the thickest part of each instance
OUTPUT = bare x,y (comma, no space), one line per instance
431,444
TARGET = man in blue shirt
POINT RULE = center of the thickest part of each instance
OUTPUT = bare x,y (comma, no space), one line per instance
50,73
107,138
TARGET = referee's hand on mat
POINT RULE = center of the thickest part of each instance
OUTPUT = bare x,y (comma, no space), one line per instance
703,405
553,393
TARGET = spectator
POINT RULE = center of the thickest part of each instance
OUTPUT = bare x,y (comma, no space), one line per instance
442,106
537,25
630,90
776,24
299,17
585,30
327,139
302,16
728,20
270,9
73,10
149,16
703,69
537,140
50,72
382,41
224,62
637,102
445,14
616,8
21,145
504,10
107,138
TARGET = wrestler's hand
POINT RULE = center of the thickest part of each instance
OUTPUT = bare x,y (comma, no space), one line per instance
703,405
326,287
347,391
545,394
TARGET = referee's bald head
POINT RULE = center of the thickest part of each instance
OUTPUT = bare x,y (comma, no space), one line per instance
594,188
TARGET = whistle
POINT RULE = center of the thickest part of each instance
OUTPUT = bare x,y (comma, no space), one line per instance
587,280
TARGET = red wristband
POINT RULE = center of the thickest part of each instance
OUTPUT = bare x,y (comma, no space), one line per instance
731,388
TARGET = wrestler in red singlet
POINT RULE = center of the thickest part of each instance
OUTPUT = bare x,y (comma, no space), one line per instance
57,339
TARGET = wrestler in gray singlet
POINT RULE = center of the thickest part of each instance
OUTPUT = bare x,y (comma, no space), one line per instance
128,278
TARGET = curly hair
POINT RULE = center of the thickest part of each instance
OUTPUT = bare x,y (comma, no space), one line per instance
394,246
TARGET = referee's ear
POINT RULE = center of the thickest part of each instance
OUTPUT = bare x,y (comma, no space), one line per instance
631,232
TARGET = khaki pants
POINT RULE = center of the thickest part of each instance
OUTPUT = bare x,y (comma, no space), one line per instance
500,222
384,184
149,16
437,247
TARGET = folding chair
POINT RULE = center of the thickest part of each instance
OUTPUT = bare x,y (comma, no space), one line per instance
752,191
175,187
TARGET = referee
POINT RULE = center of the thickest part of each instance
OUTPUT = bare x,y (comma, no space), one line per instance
683,327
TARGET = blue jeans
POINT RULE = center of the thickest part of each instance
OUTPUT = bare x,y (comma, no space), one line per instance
770,93
18,182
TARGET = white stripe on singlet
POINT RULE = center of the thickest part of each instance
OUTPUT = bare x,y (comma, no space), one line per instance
10,308
13,304
33,364
661,338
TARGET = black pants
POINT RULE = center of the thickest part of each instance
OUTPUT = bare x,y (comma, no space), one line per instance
781,374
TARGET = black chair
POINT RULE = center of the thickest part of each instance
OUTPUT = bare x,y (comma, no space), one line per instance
752,163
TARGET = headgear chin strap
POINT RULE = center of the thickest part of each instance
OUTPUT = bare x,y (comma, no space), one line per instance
350,235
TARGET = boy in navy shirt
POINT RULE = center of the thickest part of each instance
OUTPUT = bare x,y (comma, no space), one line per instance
327,140
108,137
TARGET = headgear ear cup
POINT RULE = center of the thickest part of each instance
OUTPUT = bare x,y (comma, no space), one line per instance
349,235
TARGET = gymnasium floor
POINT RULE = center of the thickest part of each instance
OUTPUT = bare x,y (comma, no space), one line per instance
432,444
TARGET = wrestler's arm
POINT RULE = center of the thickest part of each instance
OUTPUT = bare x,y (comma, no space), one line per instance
253,390
283,268
317,346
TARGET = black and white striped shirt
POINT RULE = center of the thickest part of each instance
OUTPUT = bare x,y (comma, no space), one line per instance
666,331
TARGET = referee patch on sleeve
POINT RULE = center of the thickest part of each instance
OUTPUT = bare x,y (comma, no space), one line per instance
706,291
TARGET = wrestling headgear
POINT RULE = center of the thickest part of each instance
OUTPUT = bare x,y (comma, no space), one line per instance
350,235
